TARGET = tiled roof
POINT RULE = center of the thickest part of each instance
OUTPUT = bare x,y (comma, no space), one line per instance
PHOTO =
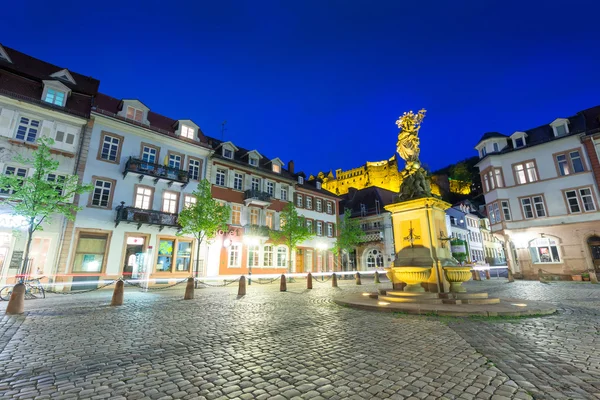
367,196
110,106
22,79
312,186
490,135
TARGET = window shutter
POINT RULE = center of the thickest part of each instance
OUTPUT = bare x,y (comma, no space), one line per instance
47,129
296,199
6,117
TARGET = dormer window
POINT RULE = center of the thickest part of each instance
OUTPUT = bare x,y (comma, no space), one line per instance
276,168
187,131
253,161
227,153
519,142
54,96
483,152
135,114
301,180
496,147
318,185
560,126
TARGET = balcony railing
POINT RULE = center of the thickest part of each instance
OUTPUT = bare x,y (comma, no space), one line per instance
257,194
156,171
148,217
373,236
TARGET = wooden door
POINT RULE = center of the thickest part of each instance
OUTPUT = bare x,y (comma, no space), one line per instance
299,260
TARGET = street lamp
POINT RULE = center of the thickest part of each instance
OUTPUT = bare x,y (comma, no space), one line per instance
251,241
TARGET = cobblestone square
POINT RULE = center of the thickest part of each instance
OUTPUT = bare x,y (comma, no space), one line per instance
297,345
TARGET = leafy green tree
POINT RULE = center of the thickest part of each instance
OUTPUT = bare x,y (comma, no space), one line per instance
38,197
350,234
463,176
204,218
292,232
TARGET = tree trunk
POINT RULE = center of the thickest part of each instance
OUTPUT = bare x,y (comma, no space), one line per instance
24,265
290,261
197,262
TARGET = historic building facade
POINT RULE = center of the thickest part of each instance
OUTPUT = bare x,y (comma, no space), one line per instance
38,99
542,196
143,168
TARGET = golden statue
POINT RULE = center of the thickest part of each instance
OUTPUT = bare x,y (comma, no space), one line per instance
408,138
415,183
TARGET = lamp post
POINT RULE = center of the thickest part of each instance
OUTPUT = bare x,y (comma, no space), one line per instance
250,241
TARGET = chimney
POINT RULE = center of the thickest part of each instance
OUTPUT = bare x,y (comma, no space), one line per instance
291,166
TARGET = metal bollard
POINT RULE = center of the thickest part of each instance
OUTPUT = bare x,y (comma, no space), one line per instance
487,274
309,281
334,281
117,297
242,287
376,277
283,284
189,289
16,303
358,282
511,278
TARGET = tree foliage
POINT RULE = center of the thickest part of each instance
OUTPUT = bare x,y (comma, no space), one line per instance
40,195
350,234
293,230
462,175
204,218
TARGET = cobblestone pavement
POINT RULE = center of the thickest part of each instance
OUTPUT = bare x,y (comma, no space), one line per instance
297,345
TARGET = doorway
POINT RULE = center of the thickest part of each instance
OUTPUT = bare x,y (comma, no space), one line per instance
133,266
594,243
299,261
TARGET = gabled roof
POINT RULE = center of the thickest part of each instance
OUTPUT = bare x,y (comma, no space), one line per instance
4,55
64,75
253,152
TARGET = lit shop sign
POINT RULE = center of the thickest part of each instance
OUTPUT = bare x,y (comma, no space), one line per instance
227,233
12,221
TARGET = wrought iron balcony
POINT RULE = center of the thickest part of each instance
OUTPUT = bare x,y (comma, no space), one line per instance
257,197
373,234
140,217
256,230
156,172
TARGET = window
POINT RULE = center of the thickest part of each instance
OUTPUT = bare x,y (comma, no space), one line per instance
269,219
90,252
483,152
544,250
194,167
330,230
527,209
236,214
271,188
255,184
578,199
170,200
498,177
60,137
220,178
301,180
319,228
374,259
227,153
59,182
491,214
253,256
319,205
149,154
560,130
184,256
309,202
525,172
309,225
143,197
533,207
175,161
329,208
19,172
110,148
253,161
268,256
299,200
281,257
519,142
55,97
505,210
135,114
276,168
540,209
496,149
238,181
27,129
102,194
569,163
234,255
189,200
164,261
319,185
187,131
254,215
284,192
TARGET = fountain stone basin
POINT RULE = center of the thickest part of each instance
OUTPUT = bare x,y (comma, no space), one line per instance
412,276
456,275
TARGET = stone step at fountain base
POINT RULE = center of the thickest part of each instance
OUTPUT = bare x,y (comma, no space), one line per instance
395,296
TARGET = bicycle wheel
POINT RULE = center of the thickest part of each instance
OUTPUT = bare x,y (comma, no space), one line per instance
5,293
37,291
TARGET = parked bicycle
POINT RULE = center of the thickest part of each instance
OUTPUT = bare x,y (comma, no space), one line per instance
33,290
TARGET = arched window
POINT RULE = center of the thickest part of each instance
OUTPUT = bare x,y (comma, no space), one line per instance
374,259
544,250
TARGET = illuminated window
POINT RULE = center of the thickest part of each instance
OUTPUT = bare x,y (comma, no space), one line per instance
544,250
187,131
319,228
525,172
301,180
281,257
299,200
143,197
268,256
269,219
254,215
236,214
319,205
55,97
276,168
189,200
569,163
234,255
170,200
135,114
309,202
27,129
330,230
253,255
374,259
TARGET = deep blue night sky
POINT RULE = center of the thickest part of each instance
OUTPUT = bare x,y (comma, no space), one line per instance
323,82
